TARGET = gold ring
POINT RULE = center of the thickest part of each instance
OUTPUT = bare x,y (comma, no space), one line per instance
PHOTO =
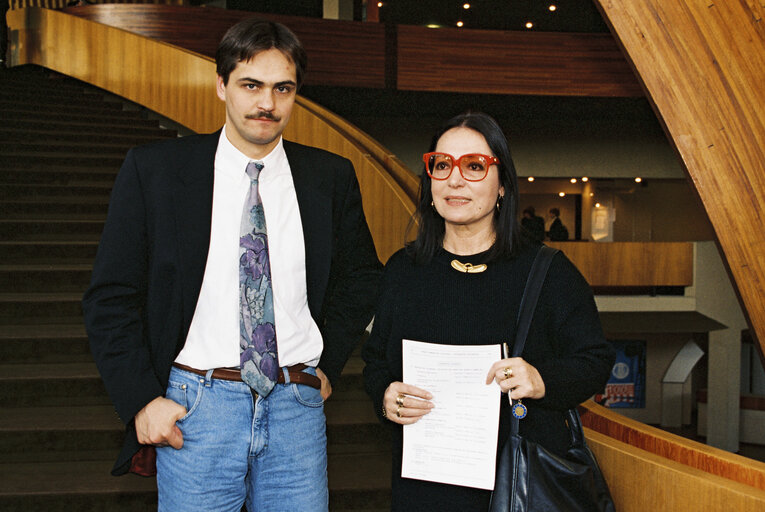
398,411
508,372
400,400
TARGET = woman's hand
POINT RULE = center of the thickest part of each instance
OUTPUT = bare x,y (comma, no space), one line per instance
517,377
405,404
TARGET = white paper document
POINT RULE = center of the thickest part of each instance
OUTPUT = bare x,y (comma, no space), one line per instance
456,443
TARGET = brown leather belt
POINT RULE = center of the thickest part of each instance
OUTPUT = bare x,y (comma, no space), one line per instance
297,375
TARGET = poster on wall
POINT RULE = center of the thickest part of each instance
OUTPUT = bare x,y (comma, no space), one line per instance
626,386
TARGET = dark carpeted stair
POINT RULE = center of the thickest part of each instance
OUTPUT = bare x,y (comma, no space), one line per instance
61,145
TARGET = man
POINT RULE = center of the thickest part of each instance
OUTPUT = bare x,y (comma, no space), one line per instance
234,276
533,224
557,232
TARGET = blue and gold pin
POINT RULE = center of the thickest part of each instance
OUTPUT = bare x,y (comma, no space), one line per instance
519,410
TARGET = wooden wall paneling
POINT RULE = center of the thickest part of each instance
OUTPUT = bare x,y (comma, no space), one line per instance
347,53
640,481
703,66
632,263
506,62
339,52
708,459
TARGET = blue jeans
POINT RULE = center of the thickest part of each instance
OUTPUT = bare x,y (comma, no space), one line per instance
268,453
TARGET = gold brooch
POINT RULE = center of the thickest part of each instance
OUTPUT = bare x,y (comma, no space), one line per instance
468,268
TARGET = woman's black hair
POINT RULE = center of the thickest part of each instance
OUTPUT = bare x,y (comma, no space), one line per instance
430,230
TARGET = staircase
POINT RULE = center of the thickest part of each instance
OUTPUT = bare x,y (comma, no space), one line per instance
61,145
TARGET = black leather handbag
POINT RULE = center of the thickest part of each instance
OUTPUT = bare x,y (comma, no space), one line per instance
530,478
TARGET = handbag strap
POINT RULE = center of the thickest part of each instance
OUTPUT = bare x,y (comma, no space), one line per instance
531,295
529,301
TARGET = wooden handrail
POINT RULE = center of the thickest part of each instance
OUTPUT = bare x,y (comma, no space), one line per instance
709,460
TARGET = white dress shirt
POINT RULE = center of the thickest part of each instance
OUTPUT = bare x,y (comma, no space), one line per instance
213,339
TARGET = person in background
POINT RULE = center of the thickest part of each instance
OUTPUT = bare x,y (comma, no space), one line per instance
533,224
460,282
557,232
235,275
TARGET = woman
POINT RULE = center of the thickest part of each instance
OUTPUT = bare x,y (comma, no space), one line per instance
460,282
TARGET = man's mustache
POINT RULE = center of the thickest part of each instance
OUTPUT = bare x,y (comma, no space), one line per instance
263,115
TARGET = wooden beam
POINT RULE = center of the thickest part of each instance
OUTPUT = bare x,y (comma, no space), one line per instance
702,64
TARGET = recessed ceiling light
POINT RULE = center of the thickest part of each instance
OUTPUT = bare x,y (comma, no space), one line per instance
530,178
466,6
573,180
553,8
459,23
529,24
379,4
562,194
597,205
585,179
638,179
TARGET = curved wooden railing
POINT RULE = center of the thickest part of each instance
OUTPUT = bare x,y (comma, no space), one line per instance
646,468
650,469
180,84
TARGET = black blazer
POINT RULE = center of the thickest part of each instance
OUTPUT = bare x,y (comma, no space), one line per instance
153,251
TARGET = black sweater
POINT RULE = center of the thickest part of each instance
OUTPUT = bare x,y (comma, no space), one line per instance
435,303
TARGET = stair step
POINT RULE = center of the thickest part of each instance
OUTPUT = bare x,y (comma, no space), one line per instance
45,145
41,308
44,343
41,433
30,123
20,227
10,134
31,111
71,277
99,188
38,251
52,159
356,482
52,205
61,173
33,106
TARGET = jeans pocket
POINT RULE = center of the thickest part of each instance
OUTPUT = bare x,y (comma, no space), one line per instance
186,394
307,395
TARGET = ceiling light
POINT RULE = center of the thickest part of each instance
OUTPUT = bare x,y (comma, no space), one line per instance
553,8
562,194
638,179
433,25
585,179
529,24
573,180
466,6
530,178
379,4
592,194
459,23
597,205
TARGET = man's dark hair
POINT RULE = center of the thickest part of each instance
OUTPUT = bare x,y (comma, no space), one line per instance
252,36
430,231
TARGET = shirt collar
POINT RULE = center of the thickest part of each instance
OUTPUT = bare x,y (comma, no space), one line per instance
233,162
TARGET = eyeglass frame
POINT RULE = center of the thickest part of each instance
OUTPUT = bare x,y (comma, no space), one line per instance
491,160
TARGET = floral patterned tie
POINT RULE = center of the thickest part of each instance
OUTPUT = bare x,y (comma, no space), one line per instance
257,340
